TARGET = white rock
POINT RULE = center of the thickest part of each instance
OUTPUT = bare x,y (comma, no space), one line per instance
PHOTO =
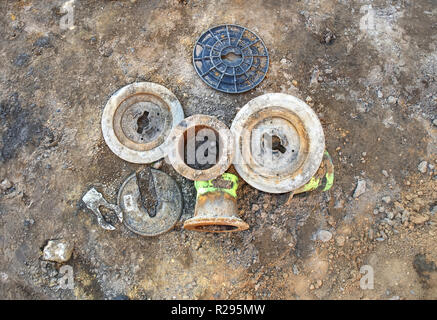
58,251
422,166
386,199
5,185
385,173
392,100
360,189
324,235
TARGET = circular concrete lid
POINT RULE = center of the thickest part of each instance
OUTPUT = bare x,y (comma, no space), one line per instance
279,143
138,119
168,210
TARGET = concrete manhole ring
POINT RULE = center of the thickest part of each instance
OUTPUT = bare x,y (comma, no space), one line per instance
137,121
279,143
168,210
185,134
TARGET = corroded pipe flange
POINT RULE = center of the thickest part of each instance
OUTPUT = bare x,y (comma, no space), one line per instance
216,206
201,148
138,119
279,143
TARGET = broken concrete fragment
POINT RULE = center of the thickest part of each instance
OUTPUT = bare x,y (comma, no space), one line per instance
58,251
360,189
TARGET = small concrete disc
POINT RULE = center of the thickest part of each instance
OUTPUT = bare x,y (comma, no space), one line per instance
168,210
279,143
138,119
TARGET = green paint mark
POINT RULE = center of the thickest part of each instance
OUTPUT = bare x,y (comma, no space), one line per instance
203,187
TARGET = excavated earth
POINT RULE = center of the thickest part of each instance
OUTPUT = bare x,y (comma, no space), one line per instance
368,68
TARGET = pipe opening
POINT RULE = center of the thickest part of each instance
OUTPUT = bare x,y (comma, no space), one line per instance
215,228
200,147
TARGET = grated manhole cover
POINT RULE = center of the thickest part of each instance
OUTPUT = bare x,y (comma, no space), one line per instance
230,58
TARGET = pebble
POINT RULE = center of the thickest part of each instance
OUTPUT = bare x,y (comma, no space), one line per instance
405,216
21,59
360,189
324,235
385,173
422,166
57,251
392,100
5,185
419,219
157,165
295,269
42,42
340,240
386,199
434,122
255,208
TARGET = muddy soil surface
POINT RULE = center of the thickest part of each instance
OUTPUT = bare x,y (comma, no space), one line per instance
368,68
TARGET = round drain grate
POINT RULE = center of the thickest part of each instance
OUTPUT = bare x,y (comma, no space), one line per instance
137,121
230,58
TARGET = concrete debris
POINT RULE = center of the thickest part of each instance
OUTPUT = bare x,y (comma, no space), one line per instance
58,251
360,189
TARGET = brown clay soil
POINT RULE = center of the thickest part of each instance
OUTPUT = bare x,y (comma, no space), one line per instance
368,72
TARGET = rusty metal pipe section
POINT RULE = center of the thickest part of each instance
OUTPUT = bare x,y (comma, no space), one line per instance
216,206
201,148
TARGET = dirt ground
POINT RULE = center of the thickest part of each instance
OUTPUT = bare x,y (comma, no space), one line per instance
368,68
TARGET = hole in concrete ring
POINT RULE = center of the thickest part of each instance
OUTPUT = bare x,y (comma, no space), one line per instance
143,122
204,152
274,143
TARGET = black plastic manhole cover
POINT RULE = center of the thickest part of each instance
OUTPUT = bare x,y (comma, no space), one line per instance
230,58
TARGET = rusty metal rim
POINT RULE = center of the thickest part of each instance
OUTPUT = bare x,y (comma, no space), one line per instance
196,223
226,143
314,135
111,139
